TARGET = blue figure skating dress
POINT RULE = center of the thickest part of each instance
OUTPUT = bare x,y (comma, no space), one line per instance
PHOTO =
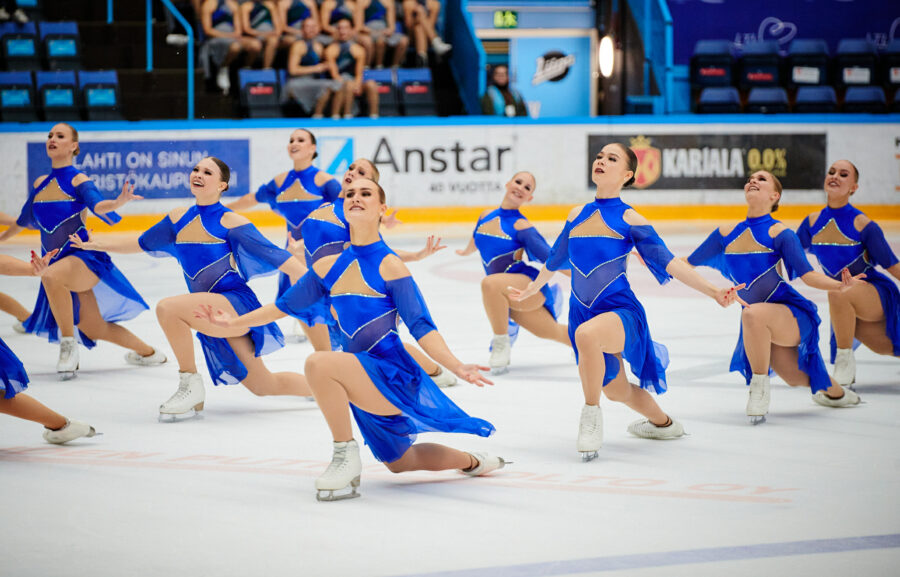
595,246
367,309
220,260
13,379
748,254
57,209
502,248
834,240
296,197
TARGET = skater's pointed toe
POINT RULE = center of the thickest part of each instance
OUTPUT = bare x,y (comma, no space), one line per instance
73,430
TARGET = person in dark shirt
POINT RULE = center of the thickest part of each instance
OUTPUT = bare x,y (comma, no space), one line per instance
500,99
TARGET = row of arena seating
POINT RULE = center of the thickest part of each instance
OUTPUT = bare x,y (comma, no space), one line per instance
402,92
47,45
59,95
774,99
806,63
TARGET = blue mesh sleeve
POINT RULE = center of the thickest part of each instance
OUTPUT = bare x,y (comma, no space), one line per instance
331,190
877,246
301,298
90,196
267,193
558,259
804,234
653,250
411,306
159,240
535,244
788,245
711,253
26,216
253,253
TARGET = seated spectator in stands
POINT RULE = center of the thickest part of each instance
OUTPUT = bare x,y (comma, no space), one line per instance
294,13
419,18
261,20
189,10
330,11
380,24
501,99
346,60
9,10
310,83
224,39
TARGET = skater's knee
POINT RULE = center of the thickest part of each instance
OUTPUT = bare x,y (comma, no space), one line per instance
838,298
586,339
166,308
316,364
395,466
753,316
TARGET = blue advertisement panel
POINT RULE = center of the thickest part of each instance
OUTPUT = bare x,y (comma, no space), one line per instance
159,168
742,22
553,75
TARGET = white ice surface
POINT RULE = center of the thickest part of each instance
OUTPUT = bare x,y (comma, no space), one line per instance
232,493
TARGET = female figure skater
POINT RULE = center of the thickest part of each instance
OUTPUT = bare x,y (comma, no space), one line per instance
779,327
503,237
14,380
8,304
219,251
390,396
606,321
841,236
221,21
293,195
80,288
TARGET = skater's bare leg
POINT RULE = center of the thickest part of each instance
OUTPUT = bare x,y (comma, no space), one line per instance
431,457
429,366
317,335
784,363
541,323
259,380
91,323
12,307
62,278
28,408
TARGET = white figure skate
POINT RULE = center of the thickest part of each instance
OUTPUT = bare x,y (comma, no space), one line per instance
187,401
486,464
758,401
849,399
296,335
157,358
67,364
444,378
845,368
499,362
73,430
645,429
342,474
19,327
590,432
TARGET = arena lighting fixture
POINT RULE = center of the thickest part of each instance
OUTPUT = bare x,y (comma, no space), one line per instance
607,54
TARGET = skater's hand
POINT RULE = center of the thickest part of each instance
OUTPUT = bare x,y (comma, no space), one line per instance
471,373
216,317
39,264
727,297
849,281
432,245
89,244
522,294
297,248
465,251
127,195
391,220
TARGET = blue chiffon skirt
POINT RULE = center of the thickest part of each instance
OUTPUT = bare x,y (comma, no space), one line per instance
424,407
225,368
117,299
890,304
648,359
809,357
13,378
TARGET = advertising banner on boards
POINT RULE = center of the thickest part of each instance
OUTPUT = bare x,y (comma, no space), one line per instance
159,168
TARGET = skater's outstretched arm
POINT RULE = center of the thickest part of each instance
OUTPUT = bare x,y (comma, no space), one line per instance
534,287
7,219
432,245
127,245
126,196
11,266
12,231
257,318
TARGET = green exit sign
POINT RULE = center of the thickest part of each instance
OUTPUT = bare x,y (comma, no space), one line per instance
506,19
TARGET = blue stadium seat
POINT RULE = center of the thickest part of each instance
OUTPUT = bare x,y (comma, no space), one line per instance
723,99
891,64
767,99
20,46
57,94
815,99
259,95
760,64
388,104
865,99
808,62
62,45
100,94
856,62
712,63
17,97
416,91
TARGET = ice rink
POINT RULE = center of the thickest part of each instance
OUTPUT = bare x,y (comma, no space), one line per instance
812,492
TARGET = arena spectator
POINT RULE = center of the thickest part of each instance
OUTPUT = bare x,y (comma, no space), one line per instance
501,99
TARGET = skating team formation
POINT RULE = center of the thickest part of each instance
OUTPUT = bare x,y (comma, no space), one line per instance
348,292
